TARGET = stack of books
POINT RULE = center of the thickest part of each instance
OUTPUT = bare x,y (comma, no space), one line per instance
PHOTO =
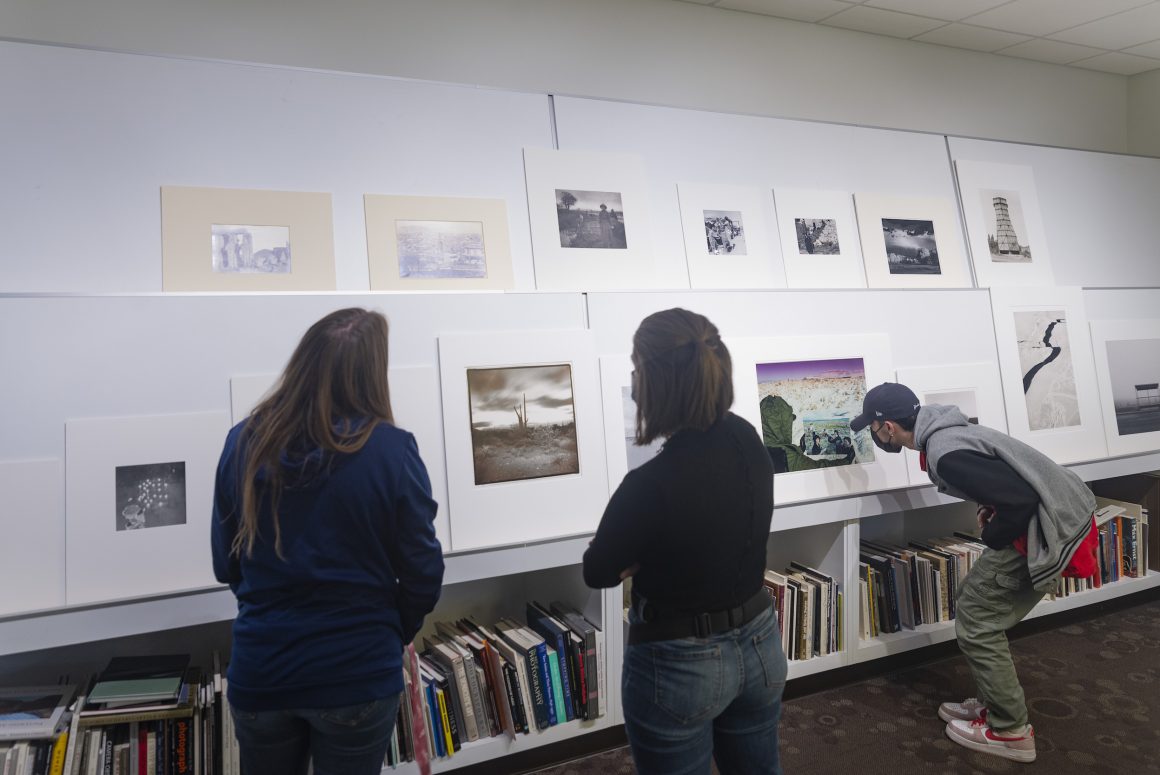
809,611
34,728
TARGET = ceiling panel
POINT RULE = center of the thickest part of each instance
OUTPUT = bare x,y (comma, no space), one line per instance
948,10
880,22
1052,51
799,10
1130,28
1147,50
1116,62
1043,17
974,38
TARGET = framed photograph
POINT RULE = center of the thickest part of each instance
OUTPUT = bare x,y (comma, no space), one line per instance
139,494
522,431
411,391
974,388
801,393
32,523
1049,381
820,246
726,242
621,451
1004,226
911,242
590,220
427,243
1127,356
224,239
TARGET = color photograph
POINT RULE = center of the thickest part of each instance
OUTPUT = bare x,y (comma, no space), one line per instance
590,219
523,423
1045,358
910,246
251,249
440,249
806,408
151,495
1134,368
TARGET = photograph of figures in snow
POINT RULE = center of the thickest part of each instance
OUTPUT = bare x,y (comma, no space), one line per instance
910,246
1048,372
150,495
817,236
440,249
637,456
724,234
590,219
806,408
963,399
1134,371
523,423
250,249
1006,227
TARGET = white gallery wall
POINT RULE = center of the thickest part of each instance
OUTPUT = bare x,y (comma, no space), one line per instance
648,51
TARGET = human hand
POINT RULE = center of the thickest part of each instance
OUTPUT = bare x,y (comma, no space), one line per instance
984,514
629,571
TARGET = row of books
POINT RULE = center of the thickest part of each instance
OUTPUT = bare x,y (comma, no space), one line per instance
512,678
809,610
1123,547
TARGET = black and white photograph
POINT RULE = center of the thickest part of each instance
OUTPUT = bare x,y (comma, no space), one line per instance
590,219
1007,236
965,400
440,249
523,423
910,246
1134,370
241,249
637,455
1045,360
817,236
150,495
724,233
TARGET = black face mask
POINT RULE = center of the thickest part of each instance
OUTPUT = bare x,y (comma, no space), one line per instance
892,448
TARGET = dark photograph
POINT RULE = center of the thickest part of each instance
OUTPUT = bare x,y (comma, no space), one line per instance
151,495
1134,370
817,236
910,246
724,234
590,219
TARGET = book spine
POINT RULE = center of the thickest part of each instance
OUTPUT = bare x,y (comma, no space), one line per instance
556,670
565,679
546,677
59,751
519,720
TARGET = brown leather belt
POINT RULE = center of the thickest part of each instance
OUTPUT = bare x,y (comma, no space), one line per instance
702,625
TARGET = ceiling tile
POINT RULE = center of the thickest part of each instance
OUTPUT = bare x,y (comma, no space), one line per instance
700,2
879,22
1123,64
1130,28
1147,50
1049,51
948,10
974,38
1043,17
799,10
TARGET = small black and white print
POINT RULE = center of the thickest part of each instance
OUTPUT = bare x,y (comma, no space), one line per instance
590,219
150,495
242,249
724,233
910,246
817,236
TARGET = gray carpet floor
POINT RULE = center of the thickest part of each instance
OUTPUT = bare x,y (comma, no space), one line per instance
1092,687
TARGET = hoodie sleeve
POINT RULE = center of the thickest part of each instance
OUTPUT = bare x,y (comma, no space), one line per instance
992,482
224,524
415,553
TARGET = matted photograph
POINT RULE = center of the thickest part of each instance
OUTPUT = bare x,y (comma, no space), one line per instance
590,219
910,246
1048,371
1045,357
972,387
249,233
139,499
636,454
725,230
150,495
800,394
724,233
250,249
819,239
427,243
513,438
911,242
1127,355
806,408
523,435
1004,225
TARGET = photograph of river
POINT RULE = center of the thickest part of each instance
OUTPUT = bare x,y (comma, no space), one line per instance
1045,359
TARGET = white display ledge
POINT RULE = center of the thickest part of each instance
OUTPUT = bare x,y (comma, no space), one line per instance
799,668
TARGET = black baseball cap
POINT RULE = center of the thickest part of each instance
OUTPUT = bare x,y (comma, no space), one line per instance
888,401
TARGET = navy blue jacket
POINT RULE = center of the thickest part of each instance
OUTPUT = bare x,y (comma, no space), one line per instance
325,627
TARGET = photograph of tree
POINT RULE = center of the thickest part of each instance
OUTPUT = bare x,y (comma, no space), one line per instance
523,423
910,246
590,219
806,408
1045,359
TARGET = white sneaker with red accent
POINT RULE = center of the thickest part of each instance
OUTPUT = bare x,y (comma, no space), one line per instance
1015,744
967,710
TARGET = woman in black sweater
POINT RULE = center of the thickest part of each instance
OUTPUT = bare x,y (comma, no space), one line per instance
704,669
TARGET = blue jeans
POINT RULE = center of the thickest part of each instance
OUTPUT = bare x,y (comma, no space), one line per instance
351,740
691,700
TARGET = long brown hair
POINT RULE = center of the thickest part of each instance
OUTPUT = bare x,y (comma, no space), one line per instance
331,396
683,374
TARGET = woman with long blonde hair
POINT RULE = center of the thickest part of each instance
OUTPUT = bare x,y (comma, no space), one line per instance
324,529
